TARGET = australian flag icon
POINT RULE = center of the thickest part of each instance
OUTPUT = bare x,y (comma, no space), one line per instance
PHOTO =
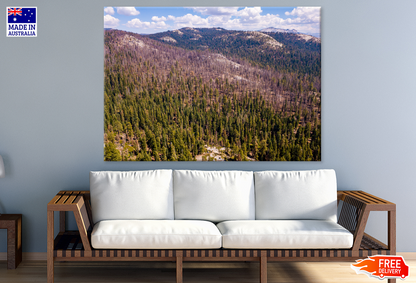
21,15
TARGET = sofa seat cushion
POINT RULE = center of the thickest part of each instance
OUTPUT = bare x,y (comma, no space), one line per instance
284,234
155,234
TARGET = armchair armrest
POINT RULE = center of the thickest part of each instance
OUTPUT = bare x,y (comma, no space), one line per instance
356,207
78,203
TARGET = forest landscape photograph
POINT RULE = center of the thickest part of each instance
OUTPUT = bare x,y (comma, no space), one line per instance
212,84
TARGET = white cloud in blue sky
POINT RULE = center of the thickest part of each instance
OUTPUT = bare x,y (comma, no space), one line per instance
158,19
109,10
216,11
305,15
110,21
138,24
127,11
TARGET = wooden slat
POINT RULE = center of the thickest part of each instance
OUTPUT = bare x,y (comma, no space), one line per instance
55,198
63,198
366,197
356,195
71,198
374,199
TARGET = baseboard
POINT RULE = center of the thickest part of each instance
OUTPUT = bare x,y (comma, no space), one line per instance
407,255
27,256
42,256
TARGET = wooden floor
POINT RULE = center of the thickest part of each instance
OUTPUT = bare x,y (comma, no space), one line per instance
129,272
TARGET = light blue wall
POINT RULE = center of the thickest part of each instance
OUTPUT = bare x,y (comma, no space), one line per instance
51,106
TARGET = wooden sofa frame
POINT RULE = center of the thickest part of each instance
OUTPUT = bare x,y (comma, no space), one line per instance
75,245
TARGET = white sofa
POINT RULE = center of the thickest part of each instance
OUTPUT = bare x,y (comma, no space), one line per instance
186,209
188,215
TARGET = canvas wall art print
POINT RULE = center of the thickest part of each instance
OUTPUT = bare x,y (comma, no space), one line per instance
212,84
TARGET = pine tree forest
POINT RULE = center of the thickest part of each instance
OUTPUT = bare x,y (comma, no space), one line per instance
211,95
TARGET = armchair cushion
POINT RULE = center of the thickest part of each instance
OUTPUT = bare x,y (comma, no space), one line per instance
155,234
284,234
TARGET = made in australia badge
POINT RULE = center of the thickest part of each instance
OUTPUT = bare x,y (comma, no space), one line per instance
21,22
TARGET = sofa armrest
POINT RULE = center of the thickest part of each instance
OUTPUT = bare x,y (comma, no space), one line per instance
77,202
356,207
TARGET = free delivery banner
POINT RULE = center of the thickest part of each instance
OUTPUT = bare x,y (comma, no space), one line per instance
382,267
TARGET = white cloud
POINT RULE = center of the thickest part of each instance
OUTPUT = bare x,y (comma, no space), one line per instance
190,20
247,18
234,24
305,14
216,11
251,18
137,23
157,19
109,10
269,20
303,19
218,21
249,12
110,21
159,25
229,18
127,11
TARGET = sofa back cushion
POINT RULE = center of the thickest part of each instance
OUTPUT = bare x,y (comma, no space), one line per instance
131,195
296,195
213,195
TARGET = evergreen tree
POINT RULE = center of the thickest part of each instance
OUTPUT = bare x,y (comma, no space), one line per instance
111,153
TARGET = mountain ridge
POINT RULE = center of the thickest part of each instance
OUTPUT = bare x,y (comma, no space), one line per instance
305,36
279,51
272,29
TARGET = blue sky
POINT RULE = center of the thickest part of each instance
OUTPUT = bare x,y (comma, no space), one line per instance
145,20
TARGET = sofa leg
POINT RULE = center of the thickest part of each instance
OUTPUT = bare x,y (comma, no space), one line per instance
179,260
263,269
391,280
50,247
50,265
